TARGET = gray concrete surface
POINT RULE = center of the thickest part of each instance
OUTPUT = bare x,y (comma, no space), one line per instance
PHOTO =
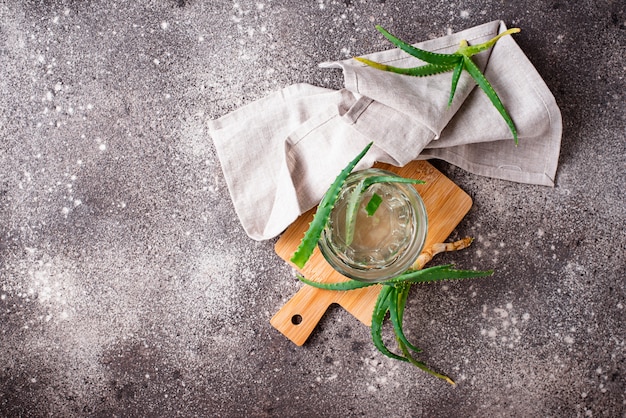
128,288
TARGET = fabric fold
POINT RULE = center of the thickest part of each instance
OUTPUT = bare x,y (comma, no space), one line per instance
280,154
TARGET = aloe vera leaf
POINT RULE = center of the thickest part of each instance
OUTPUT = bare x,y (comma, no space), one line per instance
456,75
403,295
352,207
426,56
312,235
469,50
437,273
355,199
378,316
373,204
482,82
448,62
396,316
421,365
389,179
421,71
349,285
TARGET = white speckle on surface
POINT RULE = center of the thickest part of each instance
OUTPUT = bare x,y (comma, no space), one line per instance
502,313
568,340
464,14
164,25
540,232
526,317
102,147
156,61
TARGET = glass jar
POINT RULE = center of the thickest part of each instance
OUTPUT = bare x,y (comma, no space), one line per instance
385,244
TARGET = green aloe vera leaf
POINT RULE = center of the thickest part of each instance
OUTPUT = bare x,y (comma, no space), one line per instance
421,71
426,56
348,285
469,50
352,208
421,365
456,75
437,273
448,62
312,235
395,315
373,204
403,295
354,199
389,179
378,317
482,82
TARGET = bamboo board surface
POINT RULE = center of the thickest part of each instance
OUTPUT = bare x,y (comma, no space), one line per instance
446,205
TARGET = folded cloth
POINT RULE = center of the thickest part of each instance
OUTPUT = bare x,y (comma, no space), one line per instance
280,154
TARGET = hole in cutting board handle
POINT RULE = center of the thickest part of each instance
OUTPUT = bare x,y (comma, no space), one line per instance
296,319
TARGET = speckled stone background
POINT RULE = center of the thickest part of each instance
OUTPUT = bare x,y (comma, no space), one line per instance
128,288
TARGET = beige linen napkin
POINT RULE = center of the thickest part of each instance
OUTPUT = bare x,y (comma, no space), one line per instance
280,154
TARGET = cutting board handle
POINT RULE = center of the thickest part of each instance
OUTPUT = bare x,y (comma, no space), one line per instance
299,316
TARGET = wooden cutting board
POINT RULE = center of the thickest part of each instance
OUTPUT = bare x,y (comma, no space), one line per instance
446,205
